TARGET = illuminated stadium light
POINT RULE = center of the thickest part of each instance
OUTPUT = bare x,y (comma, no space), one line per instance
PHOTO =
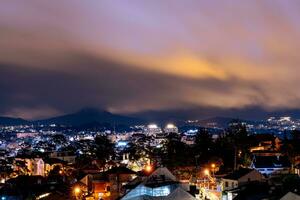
152,126
170,126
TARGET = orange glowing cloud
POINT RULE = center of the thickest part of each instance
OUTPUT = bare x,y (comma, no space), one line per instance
181,65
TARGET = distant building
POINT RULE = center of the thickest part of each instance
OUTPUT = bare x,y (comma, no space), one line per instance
152,130
26,135
189,140
158,140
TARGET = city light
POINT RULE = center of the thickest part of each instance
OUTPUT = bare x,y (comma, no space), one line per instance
152,126
43,196
181,105
170,126
206,172
77,190
148,168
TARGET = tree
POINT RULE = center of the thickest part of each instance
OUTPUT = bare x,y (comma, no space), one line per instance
204,145
104,149
290,182
134,152
241,141
224,148
59,139
288,148
175,152
233,146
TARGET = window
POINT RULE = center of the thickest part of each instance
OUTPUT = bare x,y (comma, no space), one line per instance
226,184
161,191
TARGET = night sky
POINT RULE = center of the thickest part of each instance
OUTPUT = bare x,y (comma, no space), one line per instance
58,56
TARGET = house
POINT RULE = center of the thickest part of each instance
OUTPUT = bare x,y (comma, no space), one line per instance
240,177
252,190
290,196
107,185
119,177
97,186
34,166
161,184
91,168
271,165
51,163
101,187
22,187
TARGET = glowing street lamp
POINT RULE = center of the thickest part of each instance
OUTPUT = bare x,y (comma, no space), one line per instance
206,172
77,190
213,165
148,168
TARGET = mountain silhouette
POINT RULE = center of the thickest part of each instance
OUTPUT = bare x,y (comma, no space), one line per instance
90,115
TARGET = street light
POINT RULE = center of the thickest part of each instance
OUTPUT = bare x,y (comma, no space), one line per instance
77,190
213,166
206,172
148,168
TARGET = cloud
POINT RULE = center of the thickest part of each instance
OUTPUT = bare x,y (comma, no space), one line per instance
135,56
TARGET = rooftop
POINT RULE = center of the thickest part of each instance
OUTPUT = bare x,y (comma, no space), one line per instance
238,174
